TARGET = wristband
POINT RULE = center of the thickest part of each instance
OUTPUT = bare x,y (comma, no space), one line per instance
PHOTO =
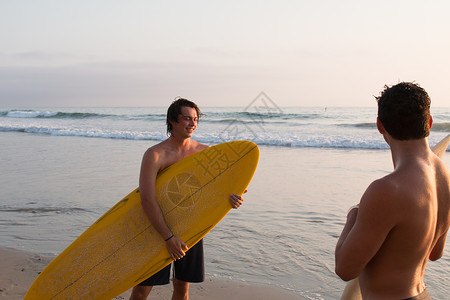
169,238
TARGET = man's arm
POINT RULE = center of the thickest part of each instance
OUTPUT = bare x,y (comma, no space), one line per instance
363,233
351,219
438,249
147,189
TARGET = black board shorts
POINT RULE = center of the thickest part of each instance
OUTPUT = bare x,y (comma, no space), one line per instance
191,268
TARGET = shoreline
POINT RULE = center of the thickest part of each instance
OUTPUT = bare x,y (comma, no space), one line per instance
18,270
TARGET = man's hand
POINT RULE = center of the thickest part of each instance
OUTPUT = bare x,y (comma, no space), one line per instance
235,200
176,248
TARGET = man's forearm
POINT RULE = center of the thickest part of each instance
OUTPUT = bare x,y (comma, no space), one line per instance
351,219
155,216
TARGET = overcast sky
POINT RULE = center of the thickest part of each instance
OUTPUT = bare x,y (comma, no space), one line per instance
220,53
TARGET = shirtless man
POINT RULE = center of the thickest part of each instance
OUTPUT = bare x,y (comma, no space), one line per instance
403,218
182,118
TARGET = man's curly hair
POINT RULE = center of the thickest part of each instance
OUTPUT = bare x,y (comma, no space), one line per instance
404,110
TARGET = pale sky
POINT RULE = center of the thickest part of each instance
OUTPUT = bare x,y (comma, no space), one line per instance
220,53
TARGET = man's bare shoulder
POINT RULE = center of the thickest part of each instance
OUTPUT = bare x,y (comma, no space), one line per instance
442,171
443,185
199,146
383,198
382,189
157,149
157,155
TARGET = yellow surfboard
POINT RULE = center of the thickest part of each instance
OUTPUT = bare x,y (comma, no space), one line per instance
352,290
121,249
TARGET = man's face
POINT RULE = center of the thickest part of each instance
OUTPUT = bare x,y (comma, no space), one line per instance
187,122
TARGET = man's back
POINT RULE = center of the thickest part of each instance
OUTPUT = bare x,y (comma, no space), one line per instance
403,218
414,201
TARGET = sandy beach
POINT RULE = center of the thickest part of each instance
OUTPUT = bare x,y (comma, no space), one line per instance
18,270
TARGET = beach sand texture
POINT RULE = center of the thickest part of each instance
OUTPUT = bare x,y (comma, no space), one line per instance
19,269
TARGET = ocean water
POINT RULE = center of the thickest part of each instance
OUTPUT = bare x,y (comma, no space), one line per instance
62,168
316,127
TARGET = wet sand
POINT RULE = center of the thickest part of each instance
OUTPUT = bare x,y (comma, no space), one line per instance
18,270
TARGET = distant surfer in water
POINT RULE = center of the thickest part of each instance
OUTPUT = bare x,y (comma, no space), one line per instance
402,219
182,119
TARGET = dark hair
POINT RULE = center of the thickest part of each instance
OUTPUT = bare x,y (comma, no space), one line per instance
175,109
404,110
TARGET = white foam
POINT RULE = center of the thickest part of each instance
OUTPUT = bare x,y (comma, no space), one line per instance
29,114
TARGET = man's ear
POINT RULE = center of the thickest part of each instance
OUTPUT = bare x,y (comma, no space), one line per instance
380,126
431,122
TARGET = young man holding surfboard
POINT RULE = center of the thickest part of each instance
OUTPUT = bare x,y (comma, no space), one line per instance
182,118
403,218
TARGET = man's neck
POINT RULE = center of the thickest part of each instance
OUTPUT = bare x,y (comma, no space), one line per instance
404,151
